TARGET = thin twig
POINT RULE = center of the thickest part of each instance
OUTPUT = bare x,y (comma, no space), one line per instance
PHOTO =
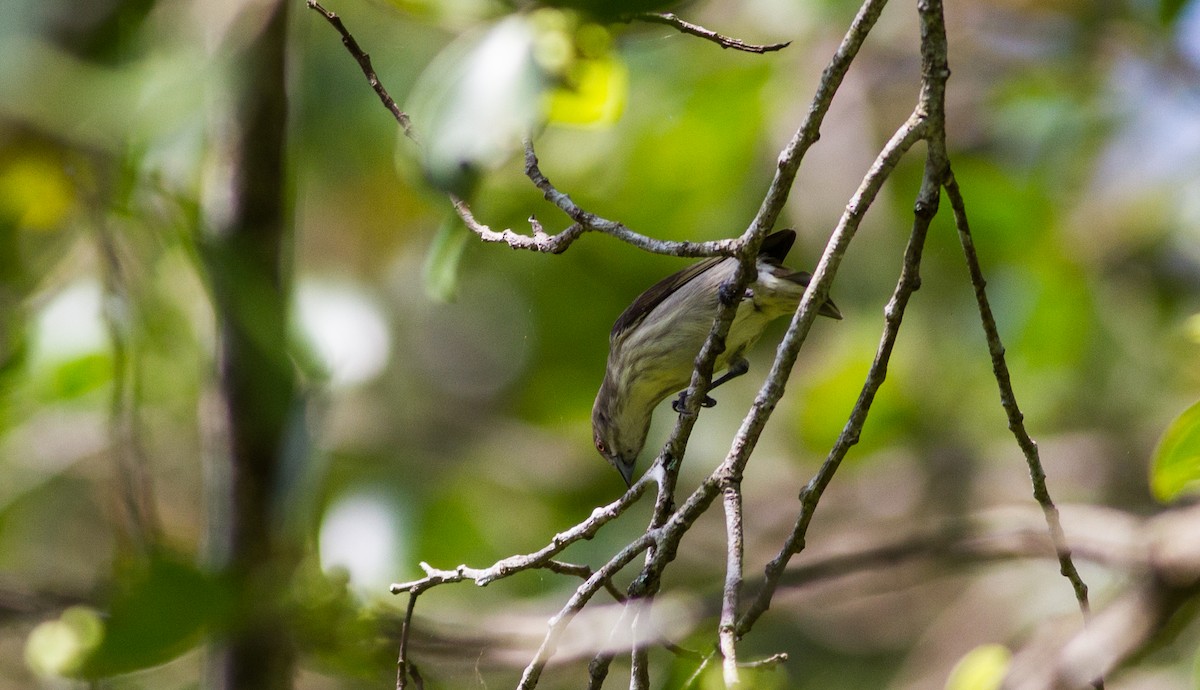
558,623
593,222
696,30
538,242
810,129
403,666
769,662
364,62
695,677
1008,400
584,571
538,559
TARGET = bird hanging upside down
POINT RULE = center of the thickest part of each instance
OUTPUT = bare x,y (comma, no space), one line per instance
654,343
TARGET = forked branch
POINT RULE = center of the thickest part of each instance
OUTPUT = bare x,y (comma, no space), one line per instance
670,521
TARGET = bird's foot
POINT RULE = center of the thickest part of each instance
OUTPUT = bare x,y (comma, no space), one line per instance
679,403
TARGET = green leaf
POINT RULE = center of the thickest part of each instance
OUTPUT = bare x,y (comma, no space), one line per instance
159,611
81,375
440,271
1175,467
1169,10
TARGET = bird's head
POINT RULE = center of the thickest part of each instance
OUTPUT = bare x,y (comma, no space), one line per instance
618,438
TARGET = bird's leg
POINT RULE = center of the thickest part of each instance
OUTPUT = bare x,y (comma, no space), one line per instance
736,368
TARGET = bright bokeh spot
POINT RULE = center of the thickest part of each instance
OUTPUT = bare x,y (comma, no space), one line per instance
361,533
72,324
346,329
60,647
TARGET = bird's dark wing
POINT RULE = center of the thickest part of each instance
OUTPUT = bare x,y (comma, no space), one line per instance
774,248
658,292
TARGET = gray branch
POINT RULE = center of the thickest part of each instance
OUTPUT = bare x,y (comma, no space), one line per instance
707,34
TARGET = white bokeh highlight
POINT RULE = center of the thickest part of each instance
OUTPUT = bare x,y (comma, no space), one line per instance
362,534
71,324
346,329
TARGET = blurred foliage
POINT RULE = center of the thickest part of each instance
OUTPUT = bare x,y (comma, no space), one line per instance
1176,466
448,383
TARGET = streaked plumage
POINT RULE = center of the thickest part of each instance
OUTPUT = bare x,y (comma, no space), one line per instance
653,344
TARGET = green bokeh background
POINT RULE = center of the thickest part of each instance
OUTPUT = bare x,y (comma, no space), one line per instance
1073,131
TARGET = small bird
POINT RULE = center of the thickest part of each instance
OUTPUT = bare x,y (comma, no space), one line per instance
654,343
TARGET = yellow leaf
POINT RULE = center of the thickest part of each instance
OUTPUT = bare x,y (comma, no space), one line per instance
982,668
35,191
596,97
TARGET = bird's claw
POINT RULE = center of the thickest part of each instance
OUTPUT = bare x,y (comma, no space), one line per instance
726,293
679,403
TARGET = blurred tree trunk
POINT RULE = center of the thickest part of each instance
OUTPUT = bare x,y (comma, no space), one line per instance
247,257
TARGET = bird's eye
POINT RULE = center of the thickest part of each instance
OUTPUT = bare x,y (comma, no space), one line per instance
600,446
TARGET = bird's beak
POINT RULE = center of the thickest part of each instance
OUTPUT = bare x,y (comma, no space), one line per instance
626,470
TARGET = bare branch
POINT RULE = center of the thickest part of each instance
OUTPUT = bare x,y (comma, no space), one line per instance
591,221
1008,400
675,523
540,241
538,559
364,62
1167,581
669,523
404,667
578,600
727,631
810,129
696,30
908,283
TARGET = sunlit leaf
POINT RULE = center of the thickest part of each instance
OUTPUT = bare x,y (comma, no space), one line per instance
597,96
35,191
1175,468
1191,328
982,668
476,101
81,375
